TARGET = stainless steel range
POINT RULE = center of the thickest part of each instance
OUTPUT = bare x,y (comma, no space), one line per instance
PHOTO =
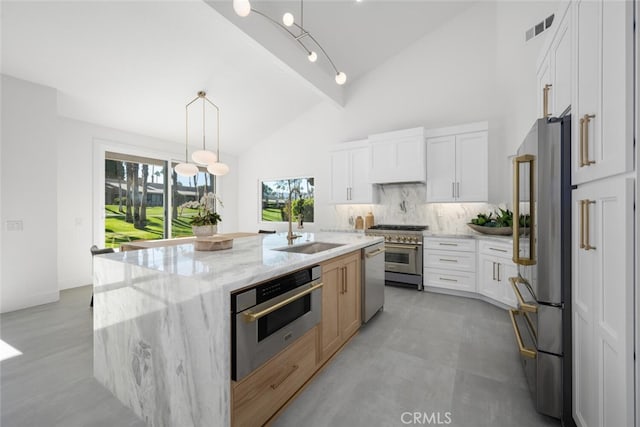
403,253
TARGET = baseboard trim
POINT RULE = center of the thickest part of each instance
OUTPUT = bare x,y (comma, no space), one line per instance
465,294
29,301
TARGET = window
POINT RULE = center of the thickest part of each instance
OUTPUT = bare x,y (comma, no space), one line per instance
186,189
137,201
275,199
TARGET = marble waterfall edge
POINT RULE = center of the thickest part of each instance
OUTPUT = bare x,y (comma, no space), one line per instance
146,338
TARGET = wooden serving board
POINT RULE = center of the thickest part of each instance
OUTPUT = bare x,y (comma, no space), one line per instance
213,243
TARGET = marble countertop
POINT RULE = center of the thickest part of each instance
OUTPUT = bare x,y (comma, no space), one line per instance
471,235
251,260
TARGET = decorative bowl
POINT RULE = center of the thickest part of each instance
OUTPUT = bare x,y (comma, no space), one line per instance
496,231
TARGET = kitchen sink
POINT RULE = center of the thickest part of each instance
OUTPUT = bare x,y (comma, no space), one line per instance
310,248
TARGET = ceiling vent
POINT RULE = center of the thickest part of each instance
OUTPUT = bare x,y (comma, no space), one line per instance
537,29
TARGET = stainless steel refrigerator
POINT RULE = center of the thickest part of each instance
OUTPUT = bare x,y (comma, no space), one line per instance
542,250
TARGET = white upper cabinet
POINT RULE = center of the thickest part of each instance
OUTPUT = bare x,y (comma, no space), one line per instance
350,171
457,164
554,67
398,156
602,110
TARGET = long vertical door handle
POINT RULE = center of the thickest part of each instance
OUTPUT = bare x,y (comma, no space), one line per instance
545,100
347,193
498,264
458,189
587,244
453,190
344,281
585,139
531,260
582,224
494,270
581,143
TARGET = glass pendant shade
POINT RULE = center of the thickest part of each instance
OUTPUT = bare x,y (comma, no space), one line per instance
186,169
287,19
218,169
242,7
341,78
204,157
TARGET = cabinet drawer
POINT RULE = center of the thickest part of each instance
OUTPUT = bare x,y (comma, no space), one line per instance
495,248
466,245
260,395
457,280
450,260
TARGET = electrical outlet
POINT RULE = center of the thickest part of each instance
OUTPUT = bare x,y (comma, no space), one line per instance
14,225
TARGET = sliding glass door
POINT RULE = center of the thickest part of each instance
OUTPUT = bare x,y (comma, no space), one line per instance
139,199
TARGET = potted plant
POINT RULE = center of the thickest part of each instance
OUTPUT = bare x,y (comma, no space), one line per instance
205,222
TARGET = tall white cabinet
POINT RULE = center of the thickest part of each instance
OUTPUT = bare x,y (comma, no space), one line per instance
603,213
602,107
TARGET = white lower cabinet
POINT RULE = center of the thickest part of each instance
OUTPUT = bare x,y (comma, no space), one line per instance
495,268
473,266
602,303
450,264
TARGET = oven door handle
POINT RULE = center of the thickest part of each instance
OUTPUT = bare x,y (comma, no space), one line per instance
415,248
252,317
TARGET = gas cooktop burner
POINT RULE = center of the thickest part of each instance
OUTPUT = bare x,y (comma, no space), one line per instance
399,227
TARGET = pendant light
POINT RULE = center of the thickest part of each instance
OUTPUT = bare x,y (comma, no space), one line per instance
204,156
243,8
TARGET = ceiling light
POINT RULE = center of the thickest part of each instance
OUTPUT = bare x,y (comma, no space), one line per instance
287,19
203,156
341,78
243,8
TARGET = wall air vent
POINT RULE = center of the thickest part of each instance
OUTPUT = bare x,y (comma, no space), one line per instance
539,28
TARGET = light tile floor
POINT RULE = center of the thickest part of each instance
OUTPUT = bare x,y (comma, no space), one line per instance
424,353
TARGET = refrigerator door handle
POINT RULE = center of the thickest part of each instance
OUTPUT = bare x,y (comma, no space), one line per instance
531,259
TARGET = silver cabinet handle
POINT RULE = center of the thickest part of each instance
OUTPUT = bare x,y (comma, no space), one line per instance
458,189
374,253
448,260
494,270
499,250
448,280
448,244
498,264
453,190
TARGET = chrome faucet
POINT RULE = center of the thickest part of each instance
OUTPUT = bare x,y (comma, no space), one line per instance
290,236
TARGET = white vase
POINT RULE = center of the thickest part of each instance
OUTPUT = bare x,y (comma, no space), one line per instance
204,230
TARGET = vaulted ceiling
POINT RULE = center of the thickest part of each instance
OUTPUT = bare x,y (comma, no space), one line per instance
134,65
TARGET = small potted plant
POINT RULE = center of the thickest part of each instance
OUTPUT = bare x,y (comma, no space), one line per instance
205,222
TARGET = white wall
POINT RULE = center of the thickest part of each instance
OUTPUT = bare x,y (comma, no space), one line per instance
28,192
58,202
476,67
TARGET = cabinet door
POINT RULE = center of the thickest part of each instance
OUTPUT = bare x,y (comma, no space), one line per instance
604,40
487,277
441,154
349,304
360,167
411,162
560,56
330,337
340,176
471,167
544,79
383,161
602,309
507,269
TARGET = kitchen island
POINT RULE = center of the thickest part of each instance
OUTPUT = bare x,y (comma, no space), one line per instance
162,321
